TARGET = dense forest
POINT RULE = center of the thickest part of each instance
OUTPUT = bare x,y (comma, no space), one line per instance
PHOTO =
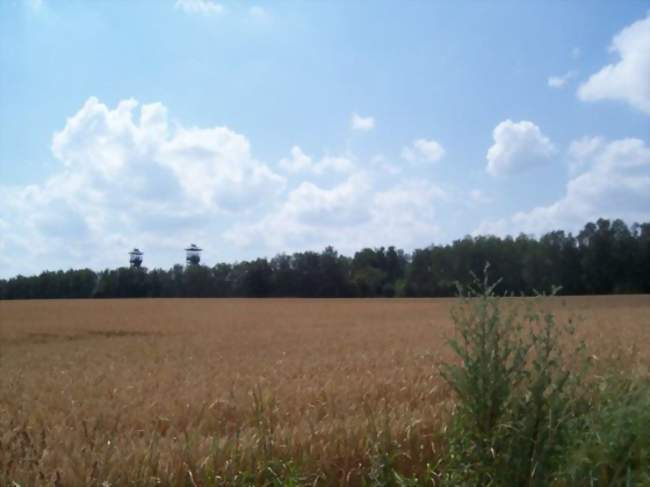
605,257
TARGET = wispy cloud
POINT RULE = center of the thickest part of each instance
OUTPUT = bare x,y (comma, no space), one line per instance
364,124
202,7
301,162
423,149
560,81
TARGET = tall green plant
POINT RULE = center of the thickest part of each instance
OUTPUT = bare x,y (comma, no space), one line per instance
516,392
610,443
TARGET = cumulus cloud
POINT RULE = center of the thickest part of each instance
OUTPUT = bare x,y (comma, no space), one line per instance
627,80
127,175
423,149
301,162
203,7
560,81
363,124
211,168
517,147
349,215
581,152
614,182
309,213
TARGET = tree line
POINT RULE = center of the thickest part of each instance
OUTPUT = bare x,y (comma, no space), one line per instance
604,257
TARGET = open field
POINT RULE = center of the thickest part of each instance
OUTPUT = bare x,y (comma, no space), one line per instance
140,390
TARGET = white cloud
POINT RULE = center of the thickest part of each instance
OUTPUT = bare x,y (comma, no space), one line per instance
517,146
127,178
204,7
364,124
350,215
582,150
628,79
560,81
212,167
342,205
301,162
308,216
614,183
423,149
215,167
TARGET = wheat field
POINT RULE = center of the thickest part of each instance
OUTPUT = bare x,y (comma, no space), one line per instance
197,392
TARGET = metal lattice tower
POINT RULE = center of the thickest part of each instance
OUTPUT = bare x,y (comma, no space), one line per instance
193,255
135,257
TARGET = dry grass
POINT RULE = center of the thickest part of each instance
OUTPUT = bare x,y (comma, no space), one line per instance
169,391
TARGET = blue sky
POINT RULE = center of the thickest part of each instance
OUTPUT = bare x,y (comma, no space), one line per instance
256,128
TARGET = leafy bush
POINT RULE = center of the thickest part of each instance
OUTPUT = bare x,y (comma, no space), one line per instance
610,445
517,388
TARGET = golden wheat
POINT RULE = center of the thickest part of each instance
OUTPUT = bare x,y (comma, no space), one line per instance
162,391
